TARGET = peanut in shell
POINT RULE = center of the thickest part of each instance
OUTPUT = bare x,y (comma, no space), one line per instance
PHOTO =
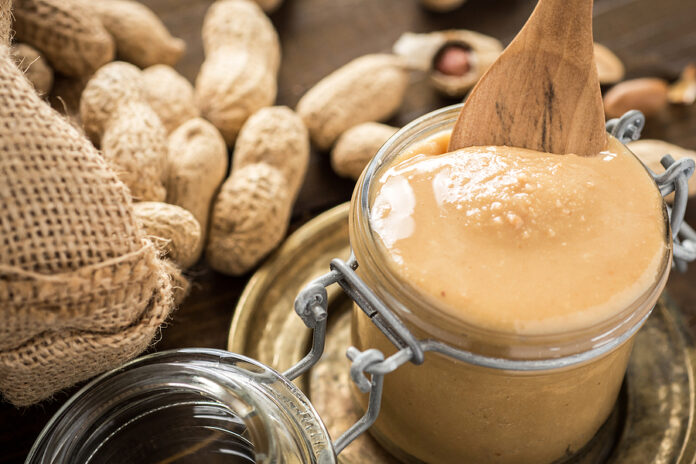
231,86
357,146
140,36
113,85
173,230
242,56
683,92
250,218
170,94
197,164
134,143
241,24
648,95
276,136
369,88
133,140
66,32
610,69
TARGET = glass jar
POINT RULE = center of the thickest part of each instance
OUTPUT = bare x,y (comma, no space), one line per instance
186,406
520,399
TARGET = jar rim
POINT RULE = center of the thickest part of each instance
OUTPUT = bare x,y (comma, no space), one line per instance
372,261
229,379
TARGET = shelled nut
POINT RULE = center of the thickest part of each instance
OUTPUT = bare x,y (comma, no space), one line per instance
455,59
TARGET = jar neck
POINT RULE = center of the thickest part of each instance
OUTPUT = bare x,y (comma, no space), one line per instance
422,314
200,399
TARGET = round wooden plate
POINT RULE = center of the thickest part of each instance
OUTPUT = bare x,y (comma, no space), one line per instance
651,423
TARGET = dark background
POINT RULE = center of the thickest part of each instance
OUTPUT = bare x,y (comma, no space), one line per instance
652,37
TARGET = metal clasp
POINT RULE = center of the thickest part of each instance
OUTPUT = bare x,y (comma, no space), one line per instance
312,306
311,303
627,128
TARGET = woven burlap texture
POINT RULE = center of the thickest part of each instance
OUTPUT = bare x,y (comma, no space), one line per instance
81,288
5,21
56,360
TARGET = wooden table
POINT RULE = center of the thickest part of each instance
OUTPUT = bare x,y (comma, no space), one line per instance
652,37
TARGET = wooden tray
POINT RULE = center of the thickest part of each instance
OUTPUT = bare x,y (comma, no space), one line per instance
651,423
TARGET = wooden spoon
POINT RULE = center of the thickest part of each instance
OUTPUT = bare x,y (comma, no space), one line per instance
543,91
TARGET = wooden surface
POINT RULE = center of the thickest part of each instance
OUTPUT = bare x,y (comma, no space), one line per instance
652,37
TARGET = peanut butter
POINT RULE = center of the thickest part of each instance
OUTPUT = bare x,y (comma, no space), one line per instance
520,241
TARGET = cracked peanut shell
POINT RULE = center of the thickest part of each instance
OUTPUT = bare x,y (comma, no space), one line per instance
422,51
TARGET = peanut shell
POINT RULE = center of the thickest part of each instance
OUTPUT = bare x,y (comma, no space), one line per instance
369,88
610,69
134,143
66,32
683,92
420,51
174,231
278,137
114,84
197,166
170,94
241,25
648,95
231,86
250,218
141,37
357,146
34,66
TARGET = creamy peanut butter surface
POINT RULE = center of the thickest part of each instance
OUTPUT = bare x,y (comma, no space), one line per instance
521,241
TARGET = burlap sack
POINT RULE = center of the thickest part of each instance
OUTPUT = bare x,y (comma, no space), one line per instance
5,21
81,288
55,360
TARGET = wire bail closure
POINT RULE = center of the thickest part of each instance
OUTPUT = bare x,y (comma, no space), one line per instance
311,303
626,129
